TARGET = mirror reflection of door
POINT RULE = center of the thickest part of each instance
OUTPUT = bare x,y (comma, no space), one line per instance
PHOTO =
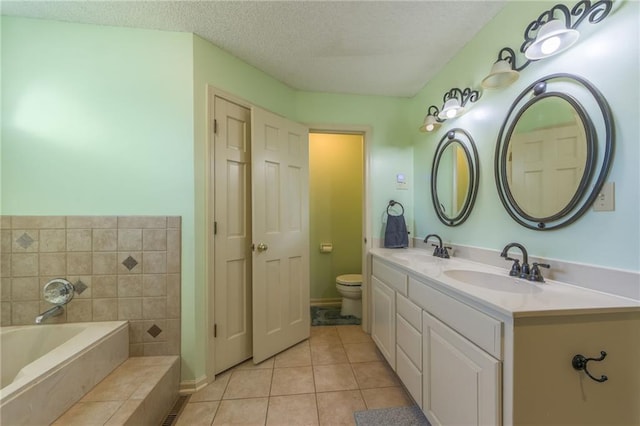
453,180
546,157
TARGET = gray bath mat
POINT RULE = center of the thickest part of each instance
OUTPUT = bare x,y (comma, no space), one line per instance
330,315
400,416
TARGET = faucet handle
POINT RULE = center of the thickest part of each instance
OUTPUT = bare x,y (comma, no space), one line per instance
536,275
437,252
445,252
515,268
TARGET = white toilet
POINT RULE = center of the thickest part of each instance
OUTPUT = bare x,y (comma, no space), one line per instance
350,288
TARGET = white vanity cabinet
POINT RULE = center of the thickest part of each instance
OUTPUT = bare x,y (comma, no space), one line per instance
409,346
383,320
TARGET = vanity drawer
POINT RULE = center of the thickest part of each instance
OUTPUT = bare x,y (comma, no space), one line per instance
410,376
410,340
392,277
409,311
480,328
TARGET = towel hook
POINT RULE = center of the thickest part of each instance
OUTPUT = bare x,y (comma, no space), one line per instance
393,203
579,362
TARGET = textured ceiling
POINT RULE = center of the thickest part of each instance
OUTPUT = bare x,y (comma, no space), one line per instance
359,47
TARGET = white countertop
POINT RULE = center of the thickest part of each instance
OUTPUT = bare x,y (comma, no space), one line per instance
526,299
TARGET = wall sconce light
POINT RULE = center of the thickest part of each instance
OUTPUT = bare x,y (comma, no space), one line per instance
454,103
546,36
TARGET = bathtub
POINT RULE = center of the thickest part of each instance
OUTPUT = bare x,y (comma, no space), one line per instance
45,369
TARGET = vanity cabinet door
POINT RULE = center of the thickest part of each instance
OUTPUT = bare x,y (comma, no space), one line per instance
383,327
461,382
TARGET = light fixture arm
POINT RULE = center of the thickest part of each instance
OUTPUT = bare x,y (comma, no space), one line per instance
463,96
434,111
584,9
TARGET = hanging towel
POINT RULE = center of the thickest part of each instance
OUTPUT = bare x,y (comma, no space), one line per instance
395,234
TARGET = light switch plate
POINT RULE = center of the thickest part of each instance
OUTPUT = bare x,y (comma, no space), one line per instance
606,199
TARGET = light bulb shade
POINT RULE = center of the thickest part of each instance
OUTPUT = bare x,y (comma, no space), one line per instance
501,75
451,109
553,38
430,124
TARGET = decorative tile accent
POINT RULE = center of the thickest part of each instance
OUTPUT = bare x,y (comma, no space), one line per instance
80,286
25,240
130,263
154,330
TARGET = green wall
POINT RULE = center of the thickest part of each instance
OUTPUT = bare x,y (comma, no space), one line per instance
607,54
335,209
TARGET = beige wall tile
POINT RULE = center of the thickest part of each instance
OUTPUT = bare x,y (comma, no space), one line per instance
95,222
105,309
129,239
25,240
135,267
136,349
129,285
79,263
173,296
174,222
154,349
26,288
154,307
154,285
148,338
155,262
53,264
5,314
105,263
87,280
5,222
173,251
38,222
5,289
5,264
142,222
154,239
173,336
136,331
24,265
105,240
79,239
24,312
79,310
130,308
53,240
105,286
6,243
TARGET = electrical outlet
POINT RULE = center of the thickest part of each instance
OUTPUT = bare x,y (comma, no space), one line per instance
606,199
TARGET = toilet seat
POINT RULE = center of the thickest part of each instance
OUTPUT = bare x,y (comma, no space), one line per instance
354,280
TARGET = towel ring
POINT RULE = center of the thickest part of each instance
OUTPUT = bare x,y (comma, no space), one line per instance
393,203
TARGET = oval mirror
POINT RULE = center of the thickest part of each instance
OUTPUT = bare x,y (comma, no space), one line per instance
552,157
454,177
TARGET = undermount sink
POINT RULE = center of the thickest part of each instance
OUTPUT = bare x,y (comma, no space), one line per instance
493,281
415,257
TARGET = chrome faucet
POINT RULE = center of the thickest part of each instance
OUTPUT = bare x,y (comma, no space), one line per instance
439,250
517,270
51,312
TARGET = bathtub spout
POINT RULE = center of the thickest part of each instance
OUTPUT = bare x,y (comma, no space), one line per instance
53,312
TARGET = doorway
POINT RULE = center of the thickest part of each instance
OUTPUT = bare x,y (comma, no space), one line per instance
338,212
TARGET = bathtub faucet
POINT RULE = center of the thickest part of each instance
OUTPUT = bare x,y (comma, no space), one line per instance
52,312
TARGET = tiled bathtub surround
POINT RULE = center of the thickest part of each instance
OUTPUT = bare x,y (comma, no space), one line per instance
123,268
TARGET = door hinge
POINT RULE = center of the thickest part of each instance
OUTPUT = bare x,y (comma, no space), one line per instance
215,330
215,228
215,126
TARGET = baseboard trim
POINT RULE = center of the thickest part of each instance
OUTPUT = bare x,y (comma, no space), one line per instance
326,302
187,387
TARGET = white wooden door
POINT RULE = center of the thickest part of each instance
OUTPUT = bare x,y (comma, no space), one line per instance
383,319
547,166
461,382
232,250
280,184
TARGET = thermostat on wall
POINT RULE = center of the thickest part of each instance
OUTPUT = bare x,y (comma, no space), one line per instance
401,181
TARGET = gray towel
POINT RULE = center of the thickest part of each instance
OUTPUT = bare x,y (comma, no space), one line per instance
395,234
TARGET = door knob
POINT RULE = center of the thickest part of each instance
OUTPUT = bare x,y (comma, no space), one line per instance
262,247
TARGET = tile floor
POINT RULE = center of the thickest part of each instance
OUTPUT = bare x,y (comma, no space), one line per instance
320,381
